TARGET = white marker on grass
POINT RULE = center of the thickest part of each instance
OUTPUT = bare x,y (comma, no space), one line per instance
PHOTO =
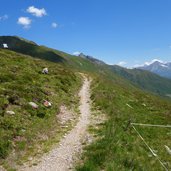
5,45
168,149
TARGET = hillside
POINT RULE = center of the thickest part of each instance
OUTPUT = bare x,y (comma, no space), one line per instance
145,80
22,126
142,79
26,47
118,146
115,92
158,67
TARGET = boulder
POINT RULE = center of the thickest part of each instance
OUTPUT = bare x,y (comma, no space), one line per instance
47,104
10,112
45,71
33,105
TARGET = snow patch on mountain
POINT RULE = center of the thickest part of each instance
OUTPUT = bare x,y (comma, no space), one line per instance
154,60
158,67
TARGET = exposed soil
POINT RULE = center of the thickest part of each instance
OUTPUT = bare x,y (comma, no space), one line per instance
65,154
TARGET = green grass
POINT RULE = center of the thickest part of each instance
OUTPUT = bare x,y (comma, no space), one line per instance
21,82
143,79
26,47
118,146
116,94
157,138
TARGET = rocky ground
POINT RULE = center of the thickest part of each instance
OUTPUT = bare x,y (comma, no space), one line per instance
64,156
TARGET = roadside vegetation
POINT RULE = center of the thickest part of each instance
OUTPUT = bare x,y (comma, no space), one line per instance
26,131
118,146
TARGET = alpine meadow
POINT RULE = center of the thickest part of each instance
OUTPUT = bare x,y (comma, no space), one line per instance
63,110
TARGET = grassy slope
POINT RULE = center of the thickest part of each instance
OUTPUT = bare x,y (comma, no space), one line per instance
30,48
145,80
118,146
21,81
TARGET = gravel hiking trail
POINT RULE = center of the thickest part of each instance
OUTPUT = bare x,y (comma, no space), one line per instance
62,158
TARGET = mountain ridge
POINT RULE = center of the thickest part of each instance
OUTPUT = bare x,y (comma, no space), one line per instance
137,77
27,47
158,67
115,91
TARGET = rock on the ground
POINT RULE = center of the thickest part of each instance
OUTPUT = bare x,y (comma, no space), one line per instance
33,105
10,112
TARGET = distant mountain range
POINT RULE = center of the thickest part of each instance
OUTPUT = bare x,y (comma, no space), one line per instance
145,80
158,67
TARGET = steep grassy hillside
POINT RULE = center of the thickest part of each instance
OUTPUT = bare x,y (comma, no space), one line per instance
21,45
118,146
145,80
21,82
142,79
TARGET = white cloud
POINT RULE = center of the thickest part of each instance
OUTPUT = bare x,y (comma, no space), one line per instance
122,63
137,65
76,53
54,25
36,11
4,17
24,21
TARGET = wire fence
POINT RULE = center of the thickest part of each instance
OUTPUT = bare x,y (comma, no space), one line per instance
150,149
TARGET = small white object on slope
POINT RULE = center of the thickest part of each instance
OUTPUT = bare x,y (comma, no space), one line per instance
168,149
129,106
34,105
10,112
47,104
45,71
5,45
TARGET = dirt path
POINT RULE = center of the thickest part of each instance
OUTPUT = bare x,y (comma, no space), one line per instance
62,157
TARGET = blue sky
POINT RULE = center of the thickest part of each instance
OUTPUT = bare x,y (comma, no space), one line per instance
129,32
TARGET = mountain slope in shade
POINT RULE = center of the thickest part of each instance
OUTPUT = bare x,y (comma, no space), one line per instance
158,67
27,47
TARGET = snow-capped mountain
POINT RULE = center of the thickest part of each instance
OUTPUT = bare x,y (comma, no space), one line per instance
158,67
